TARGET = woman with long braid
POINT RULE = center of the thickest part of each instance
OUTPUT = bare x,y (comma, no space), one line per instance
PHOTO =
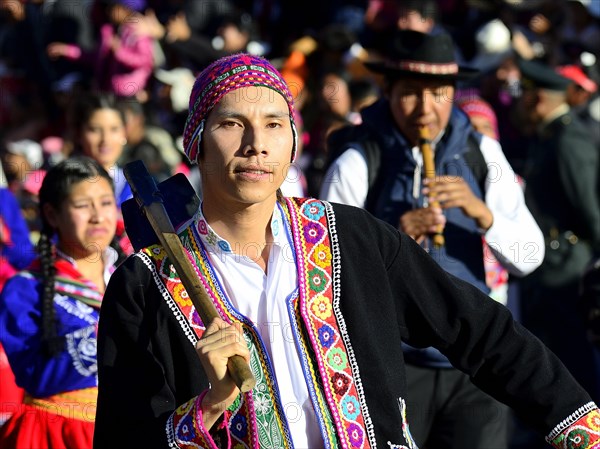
49,313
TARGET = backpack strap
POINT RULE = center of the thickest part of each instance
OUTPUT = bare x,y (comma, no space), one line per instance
373,157
475,160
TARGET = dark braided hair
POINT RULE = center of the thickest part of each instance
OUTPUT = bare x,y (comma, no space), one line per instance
55,189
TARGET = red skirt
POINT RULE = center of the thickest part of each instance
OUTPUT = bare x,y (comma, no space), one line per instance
64,421
11,396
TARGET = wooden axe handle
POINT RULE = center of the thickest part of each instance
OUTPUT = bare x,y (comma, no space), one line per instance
155,212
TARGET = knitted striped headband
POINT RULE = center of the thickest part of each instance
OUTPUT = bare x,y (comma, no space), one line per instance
218,79
479,107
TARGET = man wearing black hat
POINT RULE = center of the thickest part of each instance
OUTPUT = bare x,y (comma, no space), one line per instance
478,197
561,176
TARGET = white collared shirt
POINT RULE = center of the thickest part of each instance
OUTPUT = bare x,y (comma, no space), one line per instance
263,298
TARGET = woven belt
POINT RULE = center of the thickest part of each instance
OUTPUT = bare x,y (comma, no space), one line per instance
77,404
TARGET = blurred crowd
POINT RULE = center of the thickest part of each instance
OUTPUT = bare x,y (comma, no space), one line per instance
146,53
110,79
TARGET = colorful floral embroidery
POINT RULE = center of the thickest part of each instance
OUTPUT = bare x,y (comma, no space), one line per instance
224,246
579,431
180,292
202,227
337,359
321,321
239,426
212,238
351,407
321,308
317,280
315,385
326,336
314,210
158,253
341,383
334,389
313,233
593,421
182,421
356,435
250,421
322,256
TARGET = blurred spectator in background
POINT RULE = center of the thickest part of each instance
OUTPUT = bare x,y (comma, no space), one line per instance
561,178
363,93
582,27
123,60
97,128
185,46
417,15
25,29
19,159
493,44
16,248
171,99
380,21
581,94
543,21
581,88
139,146
16,253
480,112
23,163
326,85
499,84
422,16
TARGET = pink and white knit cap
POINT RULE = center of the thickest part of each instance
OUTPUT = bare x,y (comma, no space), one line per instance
222,77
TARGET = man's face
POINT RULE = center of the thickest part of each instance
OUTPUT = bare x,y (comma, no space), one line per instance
577,95
529,104
247,148
418,103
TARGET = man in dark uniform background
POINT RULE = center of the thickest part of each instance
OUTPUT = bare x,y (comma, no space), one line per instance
561,178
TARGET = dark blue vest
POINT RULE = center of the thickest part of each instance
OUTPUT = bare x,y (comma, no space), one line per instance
462,254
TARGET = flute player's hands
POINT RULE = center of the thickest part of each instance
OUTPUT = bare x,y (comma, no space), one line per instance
220,342
418,223
453,191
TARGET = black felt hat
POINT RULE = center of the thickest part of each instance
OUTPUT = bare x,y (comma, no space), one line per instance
417,55
535,74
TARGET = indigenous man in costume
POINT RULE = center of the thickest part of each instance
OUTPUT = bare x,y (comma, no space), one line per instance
315,296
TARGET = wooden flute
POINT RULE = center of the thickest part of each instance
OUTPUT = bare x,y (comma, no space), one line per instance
429,169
